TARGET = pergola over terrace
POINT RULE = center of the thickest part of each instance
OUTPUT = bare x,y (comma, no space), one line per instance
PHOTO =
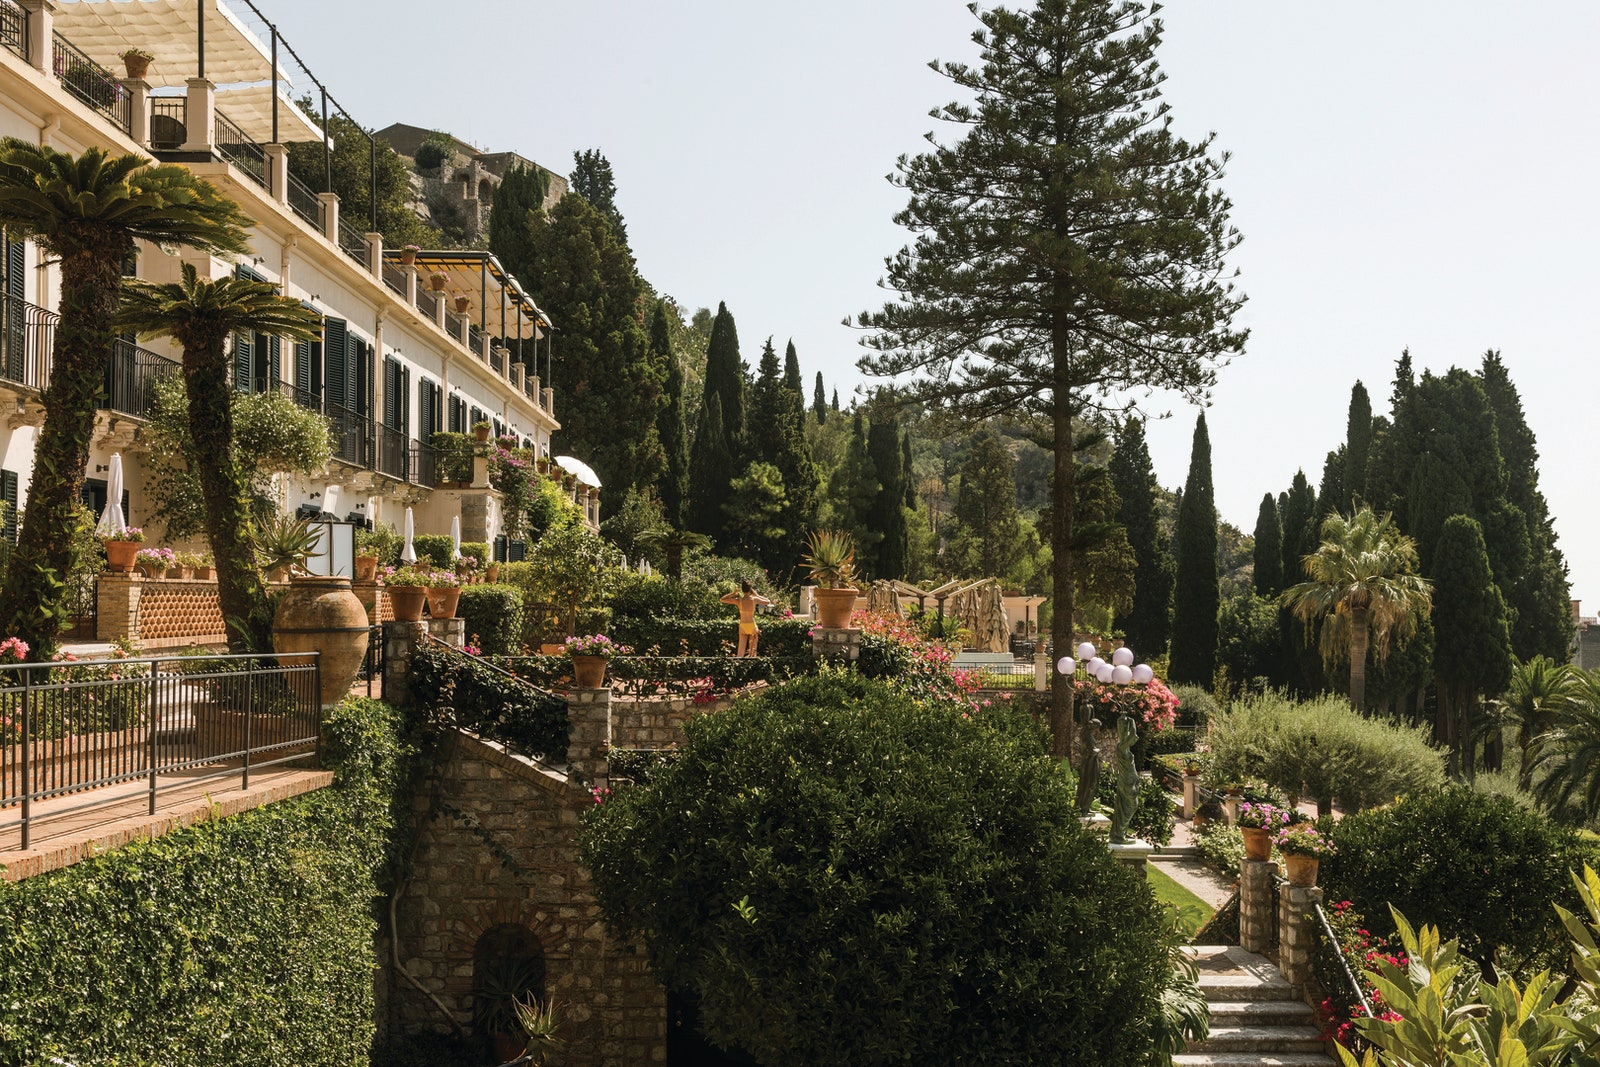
504,309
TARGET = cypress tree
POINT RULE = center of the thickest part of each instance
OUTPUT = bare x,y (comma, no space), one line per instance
1295,514
836,398
1357,447
1196,595
1331,495
670,427
776,438
1268,554
819,402
1387,482
797,391
853,490
592,179
725,378
1472,649
1147,624
887,514
1437,492
907,472
711,473
987,541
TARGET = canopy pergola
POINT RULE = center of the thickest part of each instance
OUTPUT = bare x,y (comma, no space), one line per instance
505,309
188,38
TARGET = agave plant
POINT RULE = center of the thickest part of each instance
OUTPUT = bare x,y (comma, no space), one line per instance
831,555
286,542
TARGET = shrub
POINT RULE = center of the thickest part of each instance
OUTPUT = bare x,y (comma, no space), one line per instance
467,692
1152,820
436,548
1196,707
841,875
1322,749
707,637
478,550
435,150
1479,867
656,596
1222,846
493,615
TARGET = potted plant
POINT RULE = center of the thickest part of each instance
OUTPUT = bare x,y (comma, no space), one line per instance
122,548
155,562
438,280
189,562
444,591
1258,822
481,431
136,61
503,984
1303,848
462,304
831,556
408,255
589,656
408,592
283,546
205,567
469,570
541,1025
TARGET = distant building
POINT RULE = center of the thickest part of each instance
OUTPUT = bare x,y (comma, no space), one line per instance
1586,643
462,188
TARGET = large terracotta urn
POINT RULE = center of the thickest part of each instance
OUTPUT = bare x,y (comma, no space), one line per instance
321,614
1301,870
834,607
442,600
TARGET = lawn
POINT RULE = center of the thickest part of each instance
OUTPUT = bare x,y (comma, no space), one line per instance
1194,911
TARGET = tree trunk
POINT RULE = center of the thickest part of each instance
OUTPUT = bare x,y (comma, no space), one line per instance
1064,494
241,594
32,595
1358,659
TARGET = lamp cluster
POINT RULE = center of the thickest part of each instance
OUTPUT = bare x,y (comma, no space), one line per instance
1120,670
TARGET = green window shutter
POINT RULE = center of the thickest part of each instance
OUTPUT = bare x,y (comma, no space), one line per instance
8,493
274,361
455,413
336,362
391,391
405,400
17,269
243,362
426,409
359,379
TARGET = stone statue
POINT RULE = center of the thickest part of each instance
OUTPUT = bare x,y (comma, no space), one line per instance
1127,781
1089,768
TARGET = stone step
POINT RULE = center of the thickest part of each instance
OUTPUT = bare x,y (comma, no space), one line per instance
1260,1013
1177,852
1269,1039
1244,987
1252,1059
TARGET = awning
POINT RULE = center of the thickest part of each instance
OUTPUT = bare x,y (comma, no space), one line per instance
580,470
169,31
249,107
480,277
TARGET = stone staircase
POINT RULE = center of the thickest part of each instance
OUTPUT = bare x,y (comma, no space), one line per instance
1256,1020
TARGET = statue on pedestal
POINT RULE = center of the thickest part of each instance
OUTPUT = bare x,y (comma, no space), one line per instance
1127,781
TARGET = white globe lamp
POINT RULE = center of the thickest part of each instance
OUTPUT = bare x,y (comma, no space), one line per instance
1086,651
1121,674
1122,657
1142,674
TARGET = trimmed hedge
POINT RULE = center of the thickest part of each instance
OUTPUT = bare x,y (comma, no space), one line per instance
711,637
248,939
435,548
478,550
493,614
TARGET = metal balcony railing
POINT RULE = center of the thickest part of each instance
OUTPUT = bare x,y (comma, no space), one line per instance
14,28
234,145
131,376
304,202
353,243
394,278
424,468
169,122
27,336
394,453
352,436
92,83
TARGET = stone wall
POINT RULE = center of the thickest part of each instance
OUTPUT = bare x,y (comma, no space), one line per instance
657,722
158,612
497,850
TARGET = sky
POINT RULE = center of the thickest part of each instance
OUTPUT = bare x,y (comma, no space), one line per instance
1414,175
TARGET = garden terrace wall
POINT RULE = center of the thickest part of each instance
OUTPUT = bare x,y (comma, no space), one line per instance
158,612
657,722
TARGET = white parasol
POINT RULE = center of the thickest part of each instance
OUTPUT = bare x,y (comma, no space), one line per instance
408,553
455,538
112,521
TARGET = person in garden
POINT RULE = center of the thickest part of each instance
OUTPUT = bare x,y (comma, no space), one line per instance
749,633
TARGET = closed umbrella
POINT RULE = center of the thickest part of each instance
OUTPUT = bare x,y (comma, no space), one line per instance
112,521
455,539
408,553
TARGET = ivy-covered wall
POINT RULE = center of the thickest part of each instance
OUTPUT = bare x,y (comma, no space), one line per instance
245,940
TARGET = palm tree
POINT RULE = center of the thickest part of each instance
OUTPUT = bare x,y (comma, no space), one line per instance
1362,582
1540,691
1570,750
86,211
201,315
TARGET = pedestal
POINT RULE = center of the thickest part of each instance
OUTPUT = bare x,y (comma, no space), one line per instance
1257,904
836,644
589,711
1230,810
1135,854
1296,937
1191,795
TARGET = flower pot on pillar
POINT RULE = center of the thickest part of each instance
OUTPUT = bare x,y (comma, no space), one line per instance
120,555
1300,870
589,672
321,614
442,601
834,607
1257,843
406,601
366,568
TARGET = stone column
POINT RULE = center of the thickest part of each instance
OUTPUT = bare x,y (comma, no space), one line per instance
400,641
41,33
842,644
117,606
1230,810
1191,795
452,632
590,713
475,508
330,215
1297,933
1257,905
411,285
278,171
1041,672
138,91
375,254
201,121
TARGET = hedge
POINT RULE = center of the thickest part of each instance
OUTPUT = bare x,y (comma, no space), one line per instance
470,693
493,615
711,637
435,548
653,675
248,939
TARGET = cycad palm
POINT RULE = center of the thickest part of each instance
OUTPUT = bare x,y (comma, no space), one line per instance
86,211
1568,754
1362,582
201,315
1534,702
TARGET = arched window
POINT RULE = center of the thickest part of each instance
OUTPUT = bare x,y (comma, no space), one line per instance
507,965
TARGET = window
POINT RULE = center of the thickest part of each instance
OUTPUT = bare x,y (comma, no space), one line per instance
8,493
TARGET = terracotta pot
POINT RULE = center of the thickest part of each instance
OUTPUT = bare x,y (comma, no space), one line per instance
437,282
462,304
442,601
366,568
1300,870
834,607
120,555
206,573
150,570
321,614
589,672
507,1048
481,434
136,66
1257,843
176,572
492,572
406,602
408,258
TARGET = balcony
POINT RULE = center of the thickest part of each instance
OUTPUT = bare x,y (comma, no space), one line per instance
13,28
27,343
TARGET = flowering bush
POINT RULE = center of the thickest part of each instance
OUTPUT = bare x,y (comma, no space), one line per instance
1151,705
13,650
127,533
1362,950
1302,839
405,576
910,661
158,557
1266,817
441,579
594,645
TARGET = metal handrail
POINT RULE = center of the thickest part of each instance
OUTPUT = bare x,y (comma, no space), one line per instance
234,145
14,28
1344,964
304,202
175,131
91,83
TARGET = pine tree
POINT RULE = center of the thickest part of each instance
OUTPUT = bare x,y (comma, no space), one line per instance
725,378
1196,597
888,515
819,402
711,473
670,427
1357,447
1472,649
1067,249
776,439
592,179
1147,624
1268,553
988,537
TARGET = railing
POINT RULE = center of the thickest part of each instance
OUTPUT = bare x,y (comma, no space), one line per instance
73,729
27,336
304,202
131,376
352,436
169,122
497,360
529,391
1017,674
453,324
92,83
302,397
393,452
14,28
394,278
427,301
353,243
475,341
371,673
1332,939
237,148
424,467
452,463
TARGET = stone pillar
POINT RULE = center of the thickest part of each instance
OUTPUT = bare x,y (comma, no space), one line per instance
1191,795
590,713
438,312
411,285
400,641
375,254
843,645
330,215
1134,854
117,606
41,33
138,91
475,508
1296,933
1230,810
277,171
201,121
480,476
1041,672
1257,904
452,632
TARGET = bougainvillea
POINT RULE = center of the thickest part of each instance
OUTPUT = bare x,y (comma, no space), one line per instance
921,668
1153,706
1361,949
